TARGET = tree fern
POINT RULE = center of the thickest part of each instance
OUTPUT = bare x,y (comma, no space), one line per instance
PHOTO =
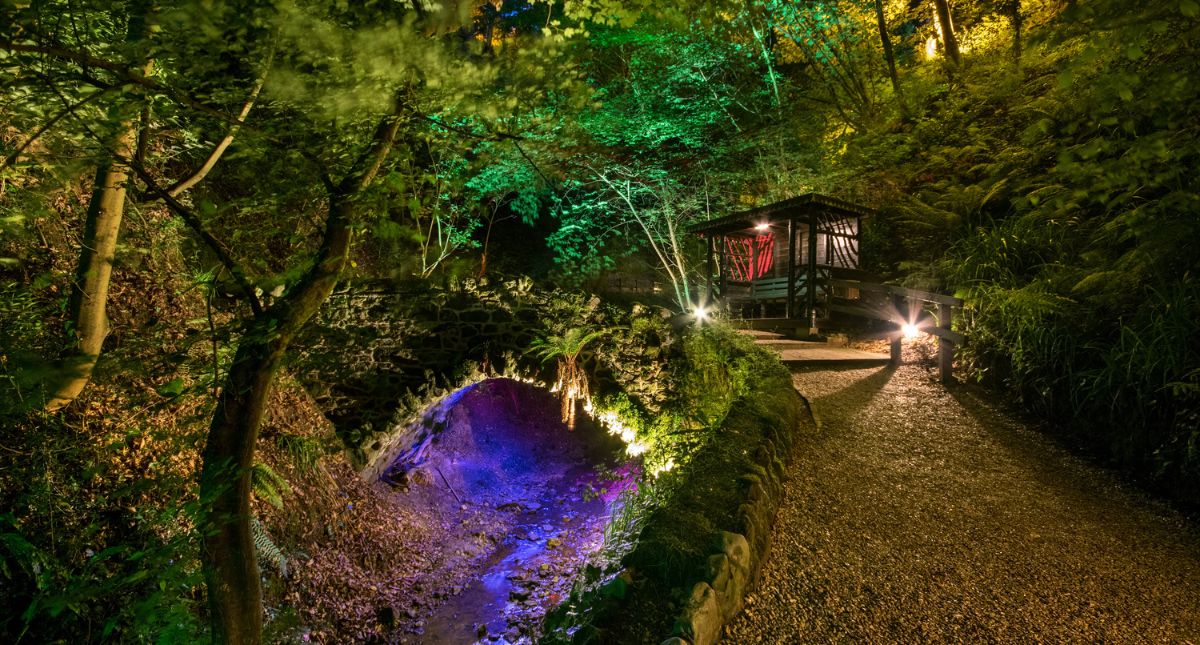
572,381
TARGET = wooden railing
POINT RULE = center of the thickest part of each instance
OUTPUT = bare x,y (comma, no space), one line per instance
626,284
900,306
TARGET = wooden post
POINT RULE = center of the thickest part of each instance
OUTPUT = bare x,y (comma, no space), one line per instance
899,333
945,345
811,279
722,267
791,269
753,270
708,244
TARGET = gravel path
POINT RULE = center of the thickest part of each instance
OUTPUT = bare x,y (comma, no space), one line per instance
919,514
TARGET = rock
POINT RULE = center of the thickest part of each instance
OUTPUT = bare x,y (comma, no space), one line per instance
737,548
720,573
701,620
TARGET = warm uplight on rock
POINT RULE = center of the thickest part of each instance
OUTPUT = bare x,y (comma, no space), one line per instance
910,330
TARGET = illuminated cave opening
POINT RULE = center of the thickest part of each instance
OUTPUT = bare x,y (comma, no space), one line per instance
523,501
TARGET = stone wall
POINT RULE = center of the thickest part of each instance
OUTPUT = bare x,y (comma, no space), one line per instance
737,558
769,422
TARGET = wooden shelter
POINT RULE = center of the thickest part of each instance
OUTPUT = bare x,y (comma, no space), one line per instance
778,260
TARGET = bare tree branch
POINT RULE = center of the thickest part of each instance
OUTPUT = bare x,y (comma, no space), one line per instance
201,172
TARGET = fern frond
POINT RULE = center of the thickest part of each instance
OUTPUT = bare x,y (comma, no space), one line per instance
268,485
267,549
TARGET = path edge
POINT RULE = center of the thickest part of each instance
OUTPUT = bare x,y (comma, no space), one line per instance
764,427
735,564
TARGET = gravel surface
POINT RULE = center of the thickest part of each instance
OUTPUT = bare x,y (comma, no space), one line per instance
919,514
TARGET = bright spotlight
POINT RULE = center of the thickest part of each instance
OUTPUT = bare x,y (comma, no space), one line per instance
762,226
700,313
909,330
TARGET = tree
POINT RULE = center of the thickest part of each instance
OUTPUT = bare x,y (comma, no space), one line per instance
946,30
886,41
231,570
88,323
1013,10
572,384
355,70
124,133
350,82
657,209
828,37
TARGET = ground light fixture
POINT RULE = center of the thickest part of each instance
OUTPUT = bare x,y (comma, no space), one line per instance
762,226
909,330
700,313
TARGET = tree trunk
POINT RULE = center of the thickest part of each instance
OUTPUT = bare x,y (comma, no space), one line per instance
89,291
93,274
230,562
949,41
234,590
231,571
888,54
1014,16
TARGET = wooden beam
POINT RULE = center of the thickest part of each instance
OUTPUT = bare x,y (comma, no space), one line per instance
895,344
811,277
952,336
865,312
791,269
945,345
902,292
708,264
723,265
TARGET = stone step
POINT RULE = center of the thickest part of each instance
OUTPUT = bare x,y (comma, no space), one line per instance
761,334
808,353
783,344
825,355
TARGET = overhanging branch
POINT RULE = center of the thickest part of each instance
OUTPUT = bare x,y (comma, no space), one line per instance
194,223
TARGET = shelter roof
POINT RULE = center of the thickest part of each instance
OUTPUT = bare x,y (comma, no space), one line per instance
797,208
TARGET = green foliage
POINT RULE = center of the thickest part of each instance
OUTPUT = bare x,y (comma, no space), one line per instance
266,548
268,485
834,39
305,452
567,345
1064,194
83,550
599,578
717,367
